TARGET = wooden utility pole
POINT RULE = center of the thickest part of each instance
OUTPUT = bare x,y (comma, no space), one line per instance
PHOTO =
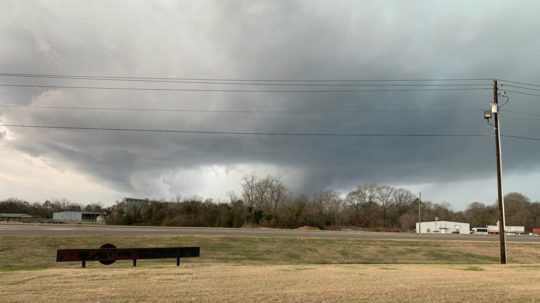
420,208
500,197
419,212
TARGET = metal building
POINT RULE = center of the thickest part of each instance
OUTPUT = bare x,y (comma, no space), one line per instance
78,217
443,227
508,229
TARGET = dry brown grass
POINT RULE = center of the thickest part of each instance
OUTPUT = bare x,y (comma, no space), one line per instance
276,283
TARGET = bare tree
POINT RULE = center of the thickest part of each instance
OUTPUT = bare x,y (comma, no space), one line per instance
249,185
372,194
328,207
383,196
264,195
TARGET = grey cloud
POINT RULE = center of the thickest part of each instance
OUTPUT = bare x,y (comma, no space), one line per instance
277,39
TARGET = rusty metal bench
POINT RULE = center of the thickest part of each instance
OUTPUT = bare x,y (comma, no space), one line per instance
107,254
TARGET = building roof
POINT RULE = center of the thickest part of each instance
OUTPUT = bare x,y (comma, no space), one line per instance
14,215
442,221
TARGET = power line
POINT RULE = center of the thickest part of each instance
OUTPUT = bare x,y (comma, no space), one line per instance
248,133
134,109
227,80
523,87
525,115
526,138
522,93
242,90
521,83
262,133
308,84
232,111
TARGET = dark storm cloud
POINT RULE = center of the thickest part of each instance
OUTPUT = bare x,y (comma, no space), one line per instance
271,39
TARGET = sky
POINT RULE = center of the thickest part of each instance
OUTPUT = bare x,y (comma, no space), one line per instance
253,39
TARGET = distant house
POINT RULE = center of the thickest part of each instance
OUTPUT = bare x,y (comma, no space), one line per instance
79,217
15,217
443,227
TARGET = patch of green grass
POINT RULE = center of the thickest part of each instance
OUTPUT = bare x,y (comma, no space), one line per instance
458,256
23,252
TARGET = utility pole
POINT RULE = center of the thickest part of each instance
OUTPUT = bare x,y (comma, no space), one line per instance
419,207
419,212
500,197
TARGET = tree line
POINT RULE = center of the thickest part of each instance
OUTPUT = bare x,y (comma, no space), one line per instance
268,202
46,209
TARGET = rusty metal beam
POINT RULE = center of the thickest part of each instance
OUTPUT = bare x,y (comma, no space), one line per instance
109,255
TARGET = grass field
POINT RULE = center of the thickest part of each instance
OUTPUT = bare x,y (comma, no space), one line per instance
276,283
26,253
266,269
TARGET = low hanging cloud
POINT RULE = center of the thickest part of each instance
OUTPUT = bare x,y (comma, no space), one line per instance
267,40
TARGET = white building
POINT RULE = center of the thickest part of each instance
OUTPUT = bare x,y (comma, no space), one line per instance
443,227
78,217
494,229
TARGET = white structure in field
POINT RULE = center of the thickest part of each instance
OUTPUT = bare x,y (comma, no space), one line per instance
494,229
78,217
443,227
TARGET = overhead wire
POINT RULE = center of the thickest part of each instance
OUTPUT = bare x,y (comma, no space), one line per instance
526,138
522,93
172,89
227,80
520,83
367,85
264,133
194,110
242,132
522,114
522,87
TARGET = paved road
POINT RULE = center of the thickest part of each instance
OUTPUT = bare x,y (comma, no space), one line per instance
80,230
